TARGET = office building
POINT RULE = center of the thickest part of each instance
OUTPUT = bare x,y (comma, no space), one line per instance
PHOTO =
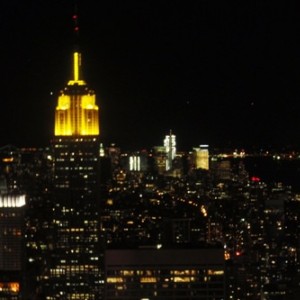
170,148
137,161
11,245
73,270
160,159
162,274
201,157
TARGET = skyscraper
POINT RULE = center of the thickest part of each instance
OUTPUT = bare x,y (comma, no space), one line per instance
170,146
73,270
201,157
11,244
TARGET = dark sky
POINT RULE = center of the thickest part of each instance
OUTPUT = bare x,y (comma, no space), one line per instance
216,72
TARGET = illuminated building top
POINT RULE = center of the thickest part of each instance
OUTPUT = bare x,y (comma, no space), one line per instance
77,112
202,157
12,201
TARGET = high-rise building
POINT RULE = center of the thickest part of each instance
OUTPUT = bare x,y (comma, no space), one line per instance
11,245
136,161
74,267
202,157
160,159
170,147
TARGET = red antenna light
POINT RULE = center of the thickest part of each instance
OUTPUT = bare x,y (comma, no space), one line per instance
75,19
255,179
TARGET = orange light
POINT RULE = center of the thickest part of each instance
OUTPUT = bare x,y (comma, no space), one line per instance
8,159
14,286
10,287
226,255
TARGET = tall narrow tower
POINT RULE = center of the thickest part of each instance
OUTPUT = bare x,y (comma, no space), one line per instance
74,266
170,146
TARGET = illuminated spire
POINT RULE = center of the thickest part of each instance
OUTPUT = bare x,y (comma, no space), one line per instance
76,70
76,55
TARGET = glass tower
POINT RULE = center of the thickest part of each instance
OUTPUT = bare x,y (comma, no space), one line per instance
170,146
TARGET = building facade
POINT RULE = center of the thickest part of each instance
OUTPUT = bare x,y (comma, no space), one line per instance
201,157
164,274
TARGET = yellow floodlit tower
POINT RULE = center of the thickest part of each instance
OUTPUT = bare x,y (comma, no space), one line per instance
77,113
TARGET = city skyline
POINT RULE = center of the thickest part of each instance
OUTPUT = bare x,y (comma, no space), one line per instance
226,75
100,223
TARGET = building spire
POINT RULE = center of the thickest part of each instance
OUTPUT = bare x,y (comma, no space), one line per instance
76,73
76,27
76,66
76,70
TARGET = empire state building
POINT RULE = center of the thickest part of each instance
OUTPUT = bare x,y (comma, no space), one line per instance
76,112
74,267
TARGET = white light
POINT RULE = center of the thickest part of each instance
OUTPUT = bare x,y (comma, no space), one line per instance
12,200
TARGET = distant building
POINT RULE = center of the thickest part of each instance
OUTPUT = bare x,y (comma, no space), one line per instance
114,153
222,169
160,159
164,274
201,157
164,155
170,148
136,161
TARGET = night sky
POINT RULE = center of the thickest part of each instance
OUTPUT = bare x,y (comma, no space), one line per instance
216,72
